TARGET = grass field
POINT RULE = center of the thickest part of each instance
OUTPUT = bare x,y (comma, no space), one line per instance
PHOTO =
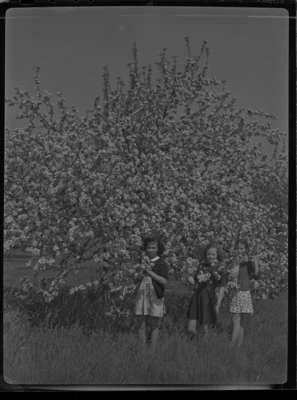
43,356
67,356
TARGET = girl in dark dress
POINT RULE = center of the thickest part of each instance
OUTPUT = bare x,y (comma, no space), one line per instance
208,292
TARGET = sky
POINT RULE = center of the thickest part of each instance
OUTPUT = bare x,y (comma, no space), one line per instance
248,48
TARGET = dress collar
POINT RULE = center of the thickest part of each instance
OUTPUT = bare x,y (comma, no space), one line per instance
155,259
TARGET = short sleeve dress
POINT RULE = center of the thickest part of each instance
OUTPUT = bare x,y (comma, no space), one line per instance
150,294
203,301
241,302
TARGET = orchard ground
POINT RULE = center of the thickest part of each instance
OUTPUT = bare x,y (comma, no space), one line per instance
66,356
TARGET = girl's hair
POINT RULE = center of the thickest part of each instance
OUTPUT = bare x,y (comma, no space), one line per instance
244,242
213,245
156,239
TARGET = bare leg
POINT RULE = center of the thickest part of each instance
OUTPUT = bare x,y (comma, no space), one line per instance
155,335
142,334
241,335
236,329
205,329
192,327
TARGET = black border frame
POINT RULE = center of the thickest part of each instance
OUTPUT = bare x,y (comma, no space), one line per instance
290,6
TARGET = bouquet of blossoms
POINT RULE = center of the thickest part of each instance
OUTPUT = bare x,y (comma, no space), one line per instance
198,272
203,275
189,271
146,263
210,272
232,284
137,271
217,273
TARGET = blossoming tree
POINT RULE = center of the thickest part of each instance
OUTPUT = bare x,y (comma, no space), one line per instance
172,153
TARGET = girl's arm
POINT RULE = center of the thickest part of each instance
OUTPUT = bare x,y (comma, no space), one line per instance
221,290
221,293
138,278
256,263
138,274
255,267
157,277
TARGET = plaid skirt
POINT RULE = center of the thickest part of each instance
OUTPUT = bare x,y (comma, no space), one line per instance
242,303
147,302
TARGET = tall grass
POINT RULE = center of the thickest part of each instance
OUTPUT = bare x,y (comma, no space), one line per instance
67,356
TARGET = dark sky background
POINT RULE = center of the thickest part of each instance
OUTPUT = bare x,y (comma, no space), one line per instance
248,49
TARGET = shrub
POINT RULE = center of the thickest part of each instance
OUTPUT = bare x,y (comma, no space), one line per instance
92,309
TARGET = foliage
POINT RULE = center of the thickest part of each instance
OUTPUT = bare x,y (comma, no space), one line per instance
91,308
174,154
95,306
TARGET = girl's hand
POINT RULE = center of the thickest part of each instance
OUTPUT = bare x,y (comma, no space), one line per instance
217,308
147,270
255,260
157,277
234,272
148,267
191,280
216,275
241,259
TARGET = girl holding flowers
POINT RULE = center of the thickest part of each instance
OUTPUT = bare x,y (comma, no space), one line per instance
208,292
150,307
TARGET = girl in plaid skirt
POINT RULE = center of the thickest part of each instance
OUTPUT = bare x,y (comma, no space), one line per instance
150,306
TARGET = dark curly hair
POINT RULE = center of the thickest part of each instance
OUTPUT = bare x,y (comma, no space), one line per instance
244,242
213,245
156,239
